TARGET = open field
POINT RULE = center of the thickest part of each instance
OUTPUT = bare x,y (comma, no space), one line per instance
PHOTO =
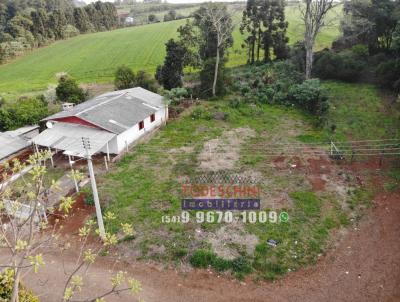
93,58
319,195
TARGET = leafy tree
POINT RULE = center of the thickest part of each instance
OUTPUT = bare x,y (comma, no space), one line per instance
146,81
189,38
69,91
215,26
124,78
274,37
370,22
22,112
152,18
313,14
82,21
170,74
264,21
170,16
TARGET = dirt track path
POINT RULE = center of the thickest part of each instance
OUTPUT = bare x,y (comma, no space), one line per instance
370,254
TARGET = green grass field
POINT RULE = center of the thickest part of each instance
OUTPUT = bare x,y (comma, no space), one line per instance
93,58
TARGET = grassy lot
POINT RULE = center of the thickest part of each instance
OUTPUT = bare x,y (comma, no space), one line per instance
93,58
146,184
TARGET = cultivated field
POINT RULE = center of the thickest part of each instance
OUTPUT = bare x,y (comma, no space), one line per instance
93,58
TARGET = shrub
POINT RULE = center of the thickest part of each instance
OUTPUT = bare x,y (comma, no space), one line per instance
69,91
124,78
22,112
89,199
146,81
388,74
360,51
176,95
310,97
200,113
343,66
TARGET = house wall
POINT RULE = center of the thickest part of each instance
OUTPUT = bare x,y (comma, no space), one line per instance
132,134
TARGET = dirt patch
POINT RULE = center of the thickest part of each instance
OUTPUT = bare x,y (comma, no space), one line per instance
222,153
75,220
228,240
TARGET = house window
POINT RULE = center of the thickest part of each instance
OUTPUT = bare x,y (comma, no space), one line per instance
152,118
141,125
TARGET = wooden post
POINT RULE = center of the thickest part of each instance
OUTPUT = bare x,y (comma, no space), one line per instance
108,152
73,174
105,161
51,157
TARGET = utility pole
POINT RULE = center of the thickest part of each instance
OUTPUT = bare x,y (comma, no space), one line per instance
86,146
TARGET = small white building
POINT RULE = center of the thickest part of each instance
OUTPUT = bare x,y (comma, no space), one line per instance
129,20
111,121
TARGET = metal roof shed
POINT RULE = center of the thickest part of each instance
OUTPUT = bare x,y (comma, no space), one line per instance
11,145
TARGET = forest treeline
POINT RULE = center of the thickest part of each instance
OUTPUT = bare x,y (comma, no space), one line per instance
27,24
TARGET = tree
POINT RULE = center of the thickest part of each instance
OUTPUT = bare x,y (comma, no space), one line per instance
370,22
69,91
124,78
146,81
251,22
264,21
170,16
82,21
170,74
152,18
313,14
274,36
189,38
216,26
30,236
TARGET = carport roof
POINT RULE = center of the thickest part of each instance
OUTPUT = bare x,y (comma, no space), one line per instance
68,137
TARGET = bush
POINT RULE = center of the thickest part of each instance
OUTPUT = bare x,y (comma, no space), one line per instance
146,81
200,113
176,95
22,112
360,51
343,66
388,74
69,91
89,199
6,286
124,78
310,97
